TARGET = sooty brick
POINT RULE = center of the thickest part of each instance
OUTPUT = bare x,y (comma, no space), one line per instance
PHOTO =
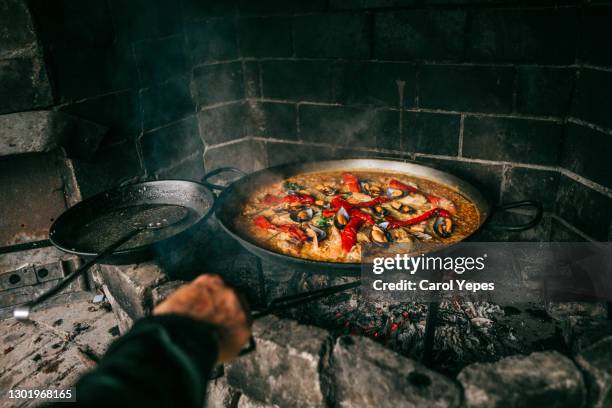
531,184
167,146
265,37
527,35
194,10
332,35
270,119
511,139
348,126
166,103
593,90
275,7
140,19
544,91
158,60
431,133
586,209
222,123
297,80
216,83
466,88
586,152
252,88
23,85
374,83
119,111
368,4
283,153
419,34
596,37
213,39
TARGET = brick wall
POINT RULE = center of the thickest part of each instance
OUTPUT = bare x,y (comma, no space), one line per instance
508,94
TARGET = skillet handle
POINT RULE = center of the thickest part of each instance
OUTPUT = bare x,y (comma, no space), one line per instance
215,172
520,227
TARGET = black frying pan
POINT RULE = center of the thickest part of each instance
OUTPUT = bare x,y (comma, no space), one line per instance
127,224
229,203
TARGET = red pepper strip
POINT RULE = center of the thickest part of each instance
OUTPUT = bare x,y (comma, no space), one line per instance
395,223
338,202
328,213
349,233
271,199
263,223
355,213
371,203
352,182
398,185
299,198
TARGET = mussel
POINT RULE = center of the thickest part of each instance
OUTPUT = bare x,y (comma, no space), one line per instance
302,215
403,208
321,234
443,227
342,218
372,189
394,193
327,189
380,235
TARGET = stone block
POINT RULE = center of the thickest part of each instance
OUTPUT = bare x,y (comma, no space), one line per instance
544,90
273,120
430,133
220,124
367,374
265,37
23,85
595,363
212,39
166,102
530,184
285,368
297,80
541,378
215,83
592,88
220,395
586,152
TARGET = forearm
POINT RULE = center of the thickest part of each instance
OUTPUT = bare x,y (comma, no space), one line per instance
164,361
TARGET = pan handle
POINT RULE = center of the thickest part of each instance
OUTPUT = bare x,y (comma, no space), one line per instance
215,172
520,227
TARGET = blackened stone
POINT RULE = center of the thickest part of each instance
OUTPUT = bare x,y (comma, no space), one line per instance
199,10
284,369
466,88
161,292
166,102
119,111
159,60
584,208
597,31
544,91
374,83
486,177
246,402
17,34
272,7
23,85
27,132
190,169
510,139
368,374
216,83
246,155
111,166
284,153
348,126
419,34
269,119
90,71
140,19
531,184
213,39
368,4
559,232
220,395
265,37
586,152
592,90
431,133
332,35
222,123
252,86
297,80
581,332
530,35
169,145
595,362
542,378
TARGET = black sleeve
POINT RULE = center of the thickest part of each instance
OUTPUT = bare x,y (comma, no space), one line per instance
163,361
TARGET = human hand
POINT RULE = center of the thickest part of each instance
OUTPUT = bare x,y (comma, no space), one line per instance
208,299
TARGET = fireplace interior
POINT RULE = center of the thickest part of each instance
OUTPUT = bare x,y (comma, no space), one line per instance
509,95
